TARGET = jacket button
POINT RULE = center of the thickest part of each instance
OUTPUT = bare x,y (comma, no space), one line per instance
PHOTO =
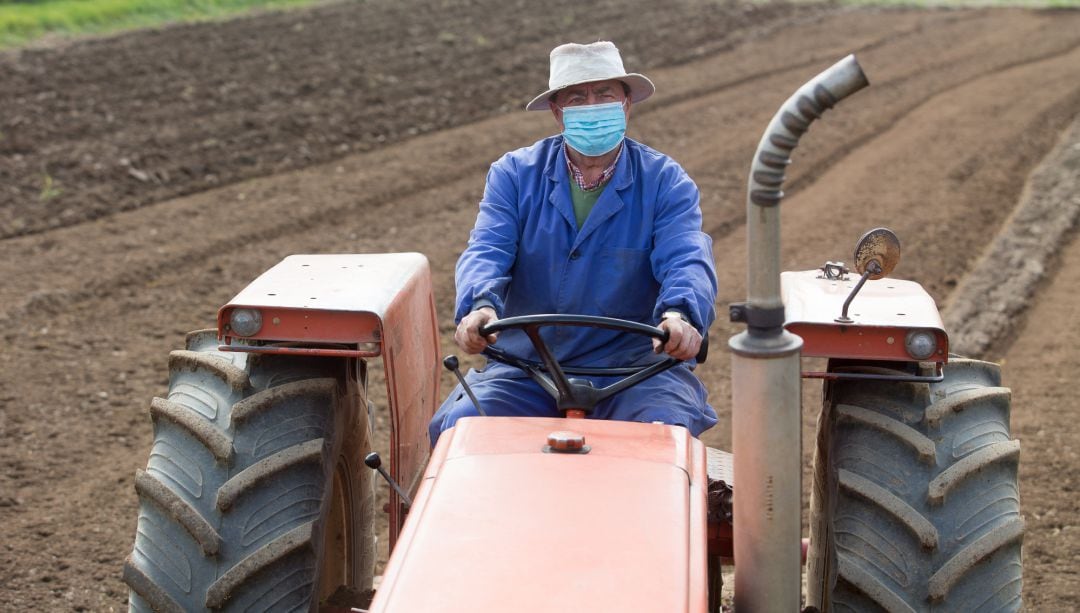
575,255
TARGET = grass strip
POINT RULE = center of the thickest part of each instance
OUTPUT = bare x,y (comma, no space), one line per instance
23,21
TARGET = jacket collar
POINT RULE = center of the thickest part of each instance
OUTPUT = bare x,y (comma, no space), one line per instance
556,170
610,202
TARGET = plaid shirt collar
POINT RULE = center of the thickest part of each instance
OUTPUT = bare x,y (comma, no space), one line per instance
579,178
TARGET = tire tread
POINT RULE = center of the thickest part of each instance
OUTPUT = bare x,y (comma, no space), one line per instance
198,427
892,505
959,401
264,557
303,453
942,522
153,489
911,437
871,587
960,564
148,589
235,377
239,479
970,465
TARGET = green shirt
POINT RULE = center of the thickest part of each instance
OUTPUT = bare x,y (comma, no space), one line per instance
584,200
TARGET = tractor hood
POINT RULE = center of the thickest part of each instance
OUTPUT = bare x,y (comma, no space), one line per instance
500,524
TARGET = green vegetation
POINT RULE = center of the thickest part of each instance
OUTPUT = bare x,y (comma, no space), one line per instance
22,21
49,188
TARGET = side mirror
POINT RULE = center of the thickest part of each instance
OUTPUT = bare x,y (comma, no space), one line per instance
876,255
879,246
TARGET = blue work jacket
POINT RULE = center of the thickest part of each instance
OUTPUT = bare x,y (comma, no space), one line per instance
640,252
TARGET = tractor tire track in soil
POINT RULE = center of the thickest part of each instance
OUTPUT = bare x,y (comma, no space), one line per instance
964,104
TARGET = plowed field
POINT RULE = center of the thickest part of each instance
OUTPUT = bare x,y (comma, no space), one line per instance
145,178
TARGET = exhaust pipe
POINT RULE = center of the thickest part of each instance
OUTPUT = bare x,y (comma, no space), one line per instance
766,399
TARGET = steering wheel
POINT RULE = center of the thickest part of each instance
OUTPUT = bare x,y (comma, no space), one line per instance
571,394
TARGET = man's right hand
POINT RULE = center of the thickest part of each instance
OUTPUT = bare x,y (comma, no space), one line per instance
468,335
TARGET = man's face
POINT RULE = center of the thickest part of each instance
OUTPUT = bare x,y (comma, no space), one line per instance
596,92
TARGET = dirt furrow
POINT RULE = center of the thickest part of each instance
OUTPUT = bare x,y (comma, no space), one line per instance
963,105
119,242
216,103
985,308
234,261
1041,367
362,184
899,88
939,178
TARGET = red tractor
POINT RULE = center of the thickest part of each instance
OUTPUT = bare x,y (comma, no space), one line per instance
258,496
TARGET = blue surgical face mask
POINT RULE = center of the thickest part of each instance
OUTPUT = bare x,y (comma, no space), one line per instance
595,129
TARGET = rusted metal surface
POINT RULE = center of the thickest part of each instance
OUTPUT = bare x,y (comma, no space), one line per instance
306,351
310,325
938,376
882,315
369,282
499,525
376,305
879,245
411,356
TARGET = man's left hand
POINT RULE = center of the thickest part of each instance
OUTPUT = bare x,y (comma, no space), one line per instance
684,341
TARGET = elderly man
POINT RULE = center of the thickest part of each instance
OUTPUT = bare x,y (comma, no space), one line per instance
588,222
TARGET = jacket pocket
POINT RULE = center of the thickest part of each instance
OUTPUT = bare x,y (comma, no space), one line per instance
624,285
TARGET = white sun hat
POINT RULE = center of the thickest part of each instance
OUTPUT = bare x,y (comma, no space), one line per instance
572,64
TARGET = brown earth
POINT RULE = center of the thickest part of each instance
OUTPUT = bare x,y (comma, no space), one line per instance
964,105
109,126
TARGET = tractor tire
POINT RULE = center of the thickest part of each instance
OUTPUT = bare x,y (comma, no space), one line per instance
255,496
915,504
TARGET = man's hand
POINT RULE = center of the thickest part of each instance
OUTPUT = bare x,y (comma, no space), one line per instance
684,341
468,336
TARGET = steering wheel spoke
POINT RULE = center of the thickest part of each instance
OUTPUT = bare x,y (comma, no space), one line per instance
558,377
652,369
552,376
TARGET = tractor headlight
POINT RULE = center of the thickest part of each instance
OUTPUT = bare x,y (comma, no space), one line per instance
920,344
245,322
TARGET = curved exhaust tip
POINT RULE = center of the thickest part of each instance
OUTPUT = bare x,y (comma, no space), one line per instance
768,172
845,78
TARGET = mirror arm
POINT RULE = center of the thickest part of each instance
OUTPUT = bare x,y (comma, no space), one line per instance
873,268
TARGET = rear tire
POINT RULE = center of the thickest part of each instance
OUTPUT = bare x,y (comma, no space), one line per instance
915,503
255,496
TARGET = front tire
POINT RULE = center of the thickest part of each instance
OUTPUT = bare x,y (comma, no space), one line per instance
255,496
915,504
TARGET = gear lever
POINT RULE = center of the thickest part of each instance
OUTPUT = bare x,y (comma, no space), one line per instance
373,461
450,362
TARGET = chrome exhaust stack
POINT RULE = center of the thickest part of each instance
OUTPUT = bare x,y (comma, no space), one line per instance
766,399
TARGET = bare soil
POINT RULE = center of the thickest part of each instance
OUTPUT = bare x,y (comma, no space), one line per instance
118,123
185,161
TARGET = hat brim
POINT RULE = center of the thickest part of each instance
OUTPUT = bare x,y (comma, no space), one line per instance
640,89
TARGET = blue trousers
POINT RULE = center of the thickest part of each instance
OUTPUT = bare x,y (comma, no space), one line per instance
675,397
